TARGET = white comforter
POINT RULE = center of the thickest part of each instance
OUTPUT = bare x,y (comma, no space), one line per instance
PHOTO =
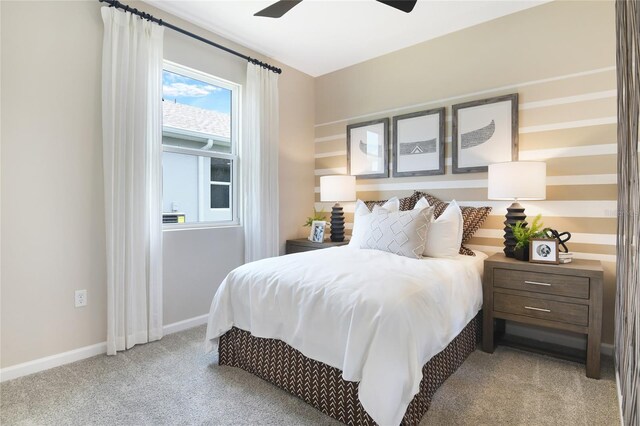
378,317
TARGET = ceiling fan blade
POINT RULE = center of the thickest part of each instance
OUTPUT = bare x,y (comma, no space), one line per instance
403,5
278,9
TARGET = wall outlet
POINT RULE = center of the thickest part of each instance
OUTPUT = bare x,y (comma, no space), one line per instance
81,298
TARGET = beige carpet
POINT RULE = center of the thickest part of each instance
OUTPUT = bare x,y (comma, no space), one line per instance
172,382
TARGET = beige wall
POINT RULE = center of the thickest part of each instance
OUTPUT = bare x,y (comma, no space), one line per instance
51,175
51,164
560,58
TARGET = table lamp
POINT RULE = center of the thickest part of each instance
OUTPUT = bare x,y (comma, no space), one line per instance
337,188
516,180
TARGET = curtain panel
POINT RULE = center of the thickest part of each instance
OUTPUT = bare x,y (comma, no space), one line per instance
132,149
627,339
259,156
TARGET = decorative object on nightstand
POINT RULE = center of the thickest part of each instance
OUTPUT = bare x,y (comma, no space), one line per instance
562,238
543,250
317,231
516,180
523,235
564,255
337,188
303,244
317,215
562,297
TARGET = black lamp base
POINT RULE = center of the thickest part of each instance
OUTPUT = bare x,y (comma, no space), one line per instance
337,223
515,213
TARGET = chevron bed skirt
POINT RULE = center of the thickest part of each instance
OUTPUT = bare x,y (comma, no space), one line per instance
323,387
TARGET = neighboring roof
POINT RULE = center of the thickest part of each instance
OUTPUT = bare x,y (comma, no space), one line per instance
196,119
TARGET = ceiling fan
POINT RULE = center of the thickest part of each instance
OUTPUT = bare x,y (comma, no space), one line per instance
279,8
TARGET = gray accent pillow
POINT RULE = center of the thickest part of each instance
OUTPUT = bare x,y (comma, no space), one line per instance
400,232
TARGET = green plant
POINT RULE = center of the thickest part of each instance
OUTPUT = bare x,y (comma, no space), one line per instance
523,234
317,215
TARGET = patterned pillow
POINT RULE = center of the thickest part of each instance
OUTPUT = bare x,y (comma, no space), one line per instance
473,218
402,232
406,203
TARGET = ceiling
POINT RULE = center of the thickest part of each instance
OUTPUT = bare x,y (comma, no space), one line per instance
321,36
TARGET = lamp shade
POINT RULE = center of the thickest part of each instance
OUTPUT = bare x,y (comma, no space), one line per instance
338,188
518,180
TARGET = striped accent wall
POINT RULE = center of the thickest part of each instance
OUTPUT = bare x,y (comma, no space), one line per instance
567,117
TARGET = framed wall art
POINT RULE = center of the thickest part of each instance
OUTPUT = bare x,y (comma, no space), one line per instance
484,132
418,143
368,149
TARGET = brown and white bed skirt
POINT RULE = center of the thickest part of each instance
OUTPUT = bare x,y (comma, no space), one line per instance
323,386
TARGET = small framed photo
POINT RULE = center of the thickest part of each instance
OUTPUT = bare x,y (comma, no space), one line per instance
368,149
317,231
418,143
543,250
484,132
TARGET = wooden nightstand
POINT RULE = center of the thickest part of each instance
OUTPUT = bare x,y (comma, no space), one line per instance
302,244
564,297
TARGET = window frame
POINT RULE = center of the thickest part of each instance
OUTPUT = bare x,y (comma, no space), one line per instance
236,96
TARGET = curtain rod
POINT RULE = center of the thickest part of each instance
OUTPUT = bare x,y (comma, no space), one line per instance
118,5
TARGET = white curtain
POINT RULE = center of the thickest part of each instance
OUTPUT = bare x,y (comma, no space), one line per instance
259,156
627,342
132,148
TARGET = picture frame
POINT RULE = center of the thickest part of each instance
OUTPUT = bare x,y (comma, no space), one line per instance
316,234
544,250
368,149
418,143
484,132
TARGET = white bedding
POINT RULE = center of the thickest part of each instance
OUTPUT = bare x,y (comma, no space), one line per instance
376,316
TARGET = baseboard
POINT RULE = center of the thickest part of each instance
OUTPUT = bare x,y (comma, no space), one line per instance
185,324
555,337
52,361
41,364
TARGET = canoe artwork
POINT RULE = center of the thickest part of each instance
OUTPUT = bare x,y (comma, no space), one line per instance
478,136
363,148
420,147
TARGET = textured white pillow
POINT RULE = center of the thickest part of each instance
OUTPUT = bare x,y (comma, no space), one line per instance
445,235
361,217
402,232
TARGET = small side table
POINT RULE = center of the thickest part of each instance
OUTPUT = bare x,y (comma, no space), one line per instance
563,297
303,244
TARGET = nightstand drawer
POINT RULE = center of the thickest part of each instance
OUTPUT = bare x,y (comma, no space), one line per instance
540,308
560,285
303,244
290,248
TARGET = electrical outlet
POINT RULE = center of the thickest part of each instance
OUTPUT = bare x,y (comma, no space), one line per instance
81,298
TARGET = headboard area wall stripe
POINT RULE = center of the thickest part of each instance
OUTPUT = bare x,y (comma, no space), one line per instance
567,118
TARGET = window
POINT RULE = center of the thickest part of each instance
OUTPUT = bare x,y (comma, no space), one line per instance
199,139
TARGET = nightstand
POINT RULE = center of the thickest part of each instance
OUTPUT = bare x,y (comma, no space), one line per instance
303,244
562,297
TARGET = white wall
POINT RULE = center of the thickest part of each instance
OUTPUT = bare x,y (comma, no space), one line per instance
51,179
195,262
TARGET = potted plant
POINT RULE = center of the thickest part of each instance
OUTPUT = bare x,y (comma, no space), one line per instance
317,215
523,235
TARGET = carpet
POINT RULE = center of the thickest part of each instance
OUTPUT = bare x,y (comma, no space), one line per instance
173,382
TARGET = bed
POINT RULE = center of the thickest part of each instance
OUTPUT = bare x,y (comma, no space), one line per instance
364,348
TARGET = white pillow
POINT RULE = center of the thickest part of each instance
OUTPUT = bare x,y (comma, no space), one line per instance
401,232
445,234
362,216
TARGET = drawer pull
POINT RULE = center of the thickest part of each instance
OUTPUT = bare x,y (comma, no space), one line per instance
537,283
537,309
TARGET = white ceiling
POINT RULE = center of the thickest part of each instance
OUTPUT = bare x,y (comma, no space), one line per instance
321,36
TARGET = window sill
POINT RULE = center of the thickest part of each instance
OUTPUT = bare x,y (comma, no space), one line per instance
195,226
